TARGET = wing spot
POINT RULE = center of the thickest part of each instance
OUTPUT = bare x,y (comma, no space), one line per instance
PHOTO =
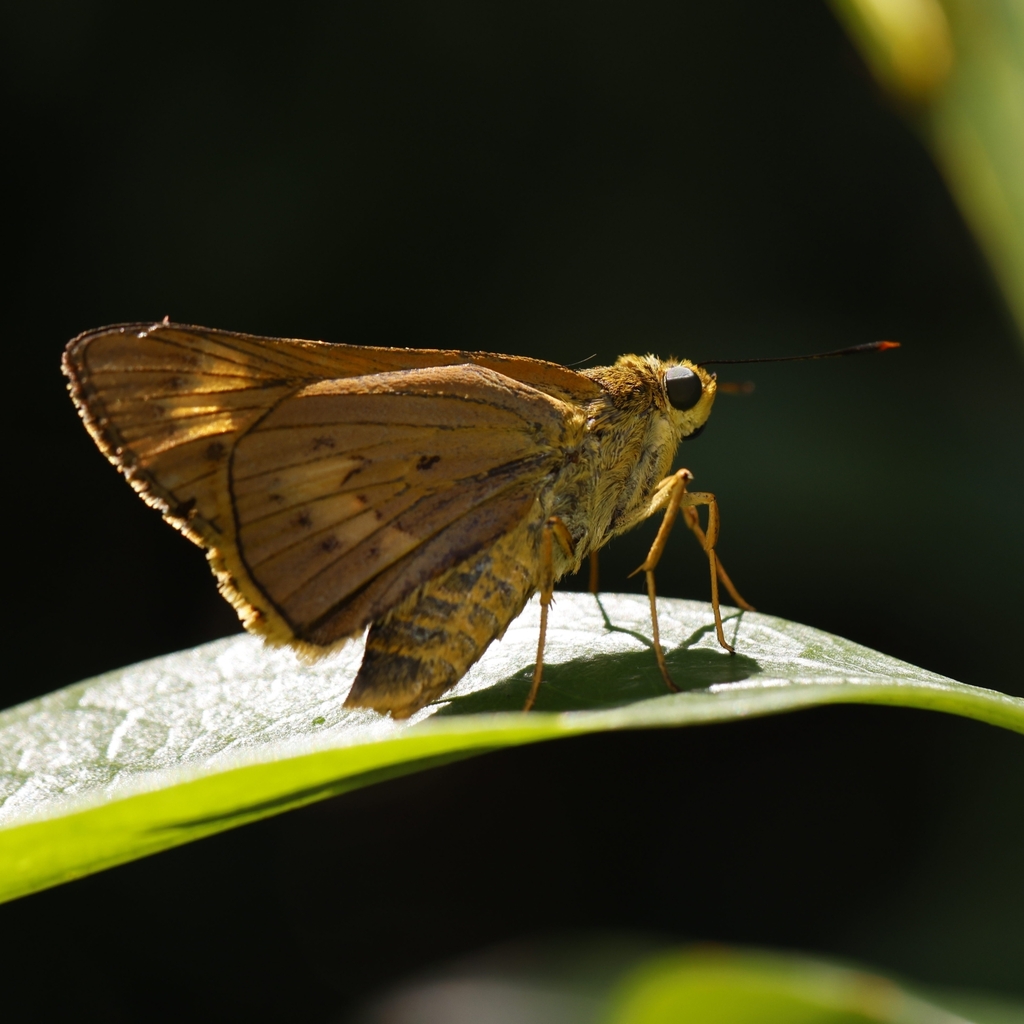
324,441
427,461
276,498
184,509
214,451
348,476
330,544
305,520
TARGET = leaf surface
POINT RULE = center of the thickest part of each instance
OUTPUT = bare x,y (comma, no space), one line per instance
173,749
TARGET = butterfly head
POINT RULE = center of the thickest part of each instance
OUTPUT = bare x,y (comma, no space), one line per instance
689,393
677,390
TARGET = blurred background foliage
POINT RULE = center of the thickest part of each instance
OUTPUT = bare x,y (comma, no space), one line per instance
627,979
553,180
957,67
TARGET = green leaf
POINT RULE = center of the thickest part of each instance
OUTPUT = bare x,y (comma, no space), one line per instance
957,67
629,979
732,986
167,751
727,987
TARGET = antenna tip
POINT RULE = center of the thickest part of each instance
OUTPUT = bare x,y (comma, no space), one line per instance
731,387
883,345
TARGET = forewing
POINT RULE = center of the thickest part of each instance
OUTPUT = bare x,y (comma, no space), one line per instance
352,493
325,481
166,405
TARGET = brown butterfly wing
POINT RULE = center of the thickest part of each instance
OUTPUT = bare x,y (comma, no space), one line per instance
352,493
166,405
322,502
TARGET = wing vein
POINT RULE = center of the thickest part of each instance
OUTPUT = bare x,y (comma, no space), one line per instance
249,523
248,360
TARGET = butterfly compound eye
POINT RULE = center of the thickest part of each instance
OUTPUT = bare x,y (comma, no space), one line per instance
683,386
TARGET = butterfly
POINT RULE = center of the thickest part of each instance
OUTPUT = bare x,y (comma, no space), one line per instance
424,493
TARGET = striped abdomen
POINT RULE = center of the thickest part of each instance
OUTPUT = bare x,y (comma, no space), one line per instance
425,645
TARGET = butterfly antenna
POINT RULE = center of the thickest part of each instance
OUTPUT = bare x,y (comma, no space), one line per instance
735,387
853,350
580,362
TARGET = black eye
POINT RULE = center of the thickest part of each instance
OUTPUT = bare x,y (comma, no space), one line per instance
683,386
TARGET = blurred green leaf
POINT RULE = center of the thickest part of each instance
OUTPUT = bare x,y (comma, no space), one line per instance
627,978
723,986
167,751
957,66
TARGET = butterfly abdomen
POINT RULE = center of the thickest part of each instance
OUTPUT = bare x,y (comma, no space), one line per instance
428,643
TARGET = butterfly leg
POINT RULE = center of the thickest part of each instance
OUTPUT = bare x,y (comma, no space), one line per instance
679,497
554,529
692,520
593,584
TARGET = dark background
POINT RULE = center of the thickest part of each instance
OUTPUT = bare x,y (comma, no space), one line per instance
550,179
